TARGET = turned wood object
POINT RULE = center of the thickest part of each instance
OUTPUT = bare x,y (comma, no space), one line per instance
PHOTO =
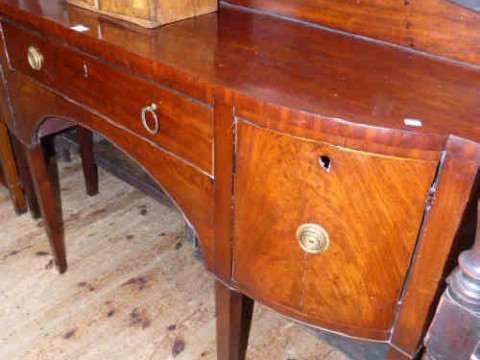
464,282
455,331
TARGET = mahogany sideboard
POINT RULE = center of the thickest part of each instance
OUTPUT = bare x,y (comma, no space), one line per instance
327,174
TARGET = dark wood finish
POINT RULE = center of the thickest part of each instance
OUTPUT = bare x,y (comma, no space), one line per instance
223,165
455,331
395,354
8,166
9,171
48,206
436,26
252,101
381,217
103,88
316,71
26,178
438,234
402,143
234,315
190,189
90,172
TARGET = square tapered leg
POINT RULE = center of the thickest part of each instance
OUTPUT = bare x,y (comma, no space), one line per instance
234,316
48,204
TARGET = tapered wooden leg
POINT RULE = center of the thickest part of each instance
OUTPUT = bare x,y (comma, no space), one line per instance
10,171
90,172
26,178
234,316
395,354
48,205
28,189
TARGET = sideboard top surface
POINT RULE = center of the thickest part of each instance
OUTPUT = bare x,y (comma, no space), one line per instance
276,61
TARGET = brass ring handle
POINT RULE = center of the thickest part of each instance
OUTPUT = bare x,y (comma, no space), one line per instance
35,58
151,109
312,238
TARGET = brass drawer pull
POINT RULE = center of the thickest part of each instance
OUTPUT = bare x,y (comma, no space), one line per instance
151,109
312,238
35,58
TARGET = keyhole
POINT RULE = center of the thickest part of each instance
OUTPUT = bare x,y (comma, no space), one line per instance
324,162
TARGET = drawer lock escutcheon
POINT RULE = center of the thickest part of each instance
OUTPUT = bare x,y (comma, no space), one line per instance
150,109
35,58
312,238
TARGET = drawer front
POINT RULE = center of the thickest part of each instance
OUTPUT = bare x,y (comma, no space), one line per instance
371,206
184,124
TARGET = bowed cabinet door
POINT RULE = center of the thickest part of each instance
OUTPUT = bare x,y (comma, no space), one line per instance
324,233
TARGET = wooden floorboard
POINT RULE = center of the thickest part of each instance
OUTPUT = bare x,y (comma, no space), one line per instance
133,289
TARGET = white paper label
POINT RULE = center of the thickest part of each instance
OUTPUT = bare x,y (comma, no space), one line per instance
412,122
79,27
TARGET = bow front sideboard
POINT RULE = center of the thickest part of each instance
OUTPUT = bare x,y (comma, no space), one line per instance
329,174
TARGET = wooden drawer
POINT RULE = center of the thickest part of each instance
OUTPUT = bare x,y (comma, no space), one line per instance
370,205
185,124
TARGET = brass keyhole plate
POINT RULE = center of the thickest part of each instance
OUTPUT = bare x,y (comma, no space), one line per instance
312,238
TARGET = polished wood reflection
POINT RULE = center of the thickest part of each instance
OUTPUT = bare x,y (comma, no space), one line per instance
249,105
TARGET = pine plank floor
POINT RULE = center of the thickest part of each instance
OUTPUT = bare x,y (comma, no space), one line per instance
133,289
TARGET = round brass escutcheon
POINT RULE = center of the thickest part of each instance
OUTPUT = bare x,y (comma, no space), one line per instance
312,238
35,58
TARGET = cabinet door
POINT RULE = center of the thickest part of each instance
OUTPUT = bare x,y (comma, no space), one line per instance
370,205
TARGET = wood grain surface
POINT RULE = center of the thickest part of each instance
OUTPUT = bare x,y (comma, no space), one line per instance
90,171
349,98
440,233
185,125
223,175
190,189
436,26
9,171
26,178
234,316
284,63
136,294
47,196
370,205
149,13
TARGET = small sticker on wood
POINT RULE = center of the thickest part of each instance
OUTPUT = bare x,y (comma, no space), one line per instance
412,122
79,27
